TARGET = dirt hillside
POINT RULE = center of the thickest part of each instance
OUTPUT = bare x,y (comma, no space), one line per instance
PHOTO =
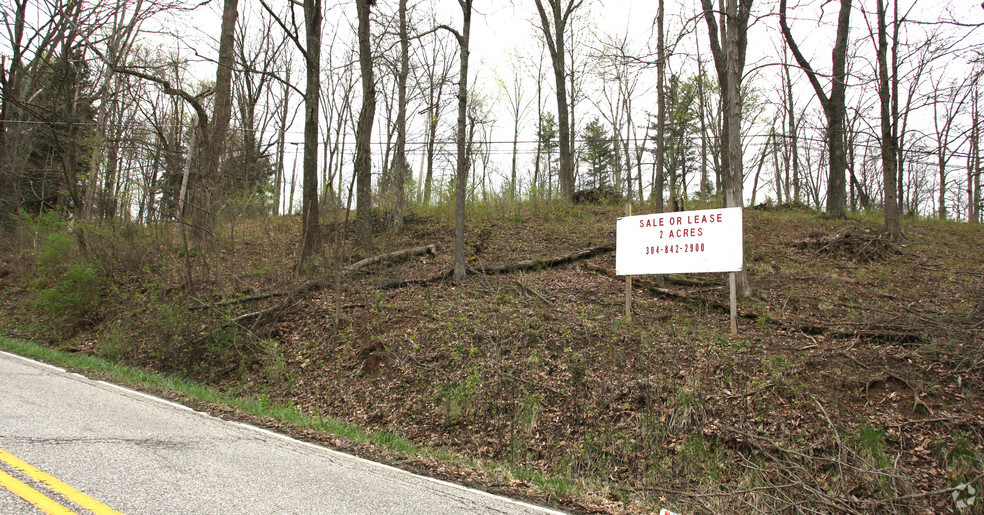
854,385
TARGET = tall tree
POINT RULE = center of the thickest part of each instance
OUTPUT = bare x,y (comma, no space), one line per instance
546,137
660,135
310,49
834,106
889,143
792,133
948,101
363,134
461,173
598,154
974,156
553,24
435,70
729,61
517,103
400,163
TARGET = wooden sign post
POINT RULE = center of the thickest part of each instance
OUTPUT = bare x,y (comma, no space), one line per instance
734,305
628,280
685,242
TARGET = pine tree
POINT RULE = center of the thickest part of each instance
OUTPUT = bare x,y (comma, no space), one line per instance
598,154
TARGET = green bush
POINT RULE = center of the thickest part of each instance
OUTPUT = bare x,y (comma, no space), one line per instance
56,252
66,288
34,229
73,297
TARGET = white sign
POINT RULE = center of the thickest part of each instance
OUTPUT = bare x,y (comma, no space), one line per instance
683,242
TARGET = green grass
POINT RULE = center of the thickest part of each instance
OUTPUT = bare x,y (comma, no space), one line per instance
552,486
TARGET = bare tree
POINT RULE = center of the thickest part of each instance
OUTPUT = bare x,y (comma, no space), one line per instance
554,25
792,134
260,109
974,156
889,143
518,104
834,106
435,70
948,101
461,181
400,163
660,136
123,27
729,60
363,134
310,49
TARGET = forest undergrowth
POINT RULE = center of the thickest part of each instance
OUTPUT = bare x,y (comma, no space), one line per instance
853,387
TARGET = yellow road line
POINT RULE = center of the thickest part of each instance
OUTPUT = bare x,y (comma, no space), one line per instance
96,507
32,496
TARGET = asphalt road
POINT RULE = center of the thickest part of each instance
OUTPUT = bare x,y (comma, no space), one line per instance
120,450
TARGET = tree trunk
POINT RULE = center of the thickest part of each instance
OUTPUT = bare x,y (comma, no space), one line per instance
896,120
281,149
888,151
730,63
974,159
834,106
793,139
431,145
556,42
400,159
220,124
661,57
363,134
462,163
734,195
702,108
539,120
310,208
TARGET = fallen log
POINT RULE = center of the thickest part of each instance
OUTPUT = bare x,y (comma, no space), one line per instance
241,300
272,312
683,280
319,284
650,286
536,264
391,257
519,266
395,285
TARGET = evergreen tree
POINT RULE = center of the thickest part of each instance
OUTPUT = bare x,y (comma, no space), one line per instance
598,154
546,137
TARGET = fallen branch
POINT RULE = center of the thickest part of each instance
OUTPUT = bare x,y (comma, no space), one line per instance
395,285
519,266
868,334
319,284
651,287
877,335
537,264
682,280
529,289
391,257
241,300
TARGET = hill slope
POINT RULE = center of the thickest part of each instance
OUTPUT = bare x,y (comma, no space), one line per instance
853,386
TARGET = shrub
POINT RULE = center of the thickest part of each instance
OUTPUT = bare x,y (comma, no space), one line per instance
67,288
73,297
